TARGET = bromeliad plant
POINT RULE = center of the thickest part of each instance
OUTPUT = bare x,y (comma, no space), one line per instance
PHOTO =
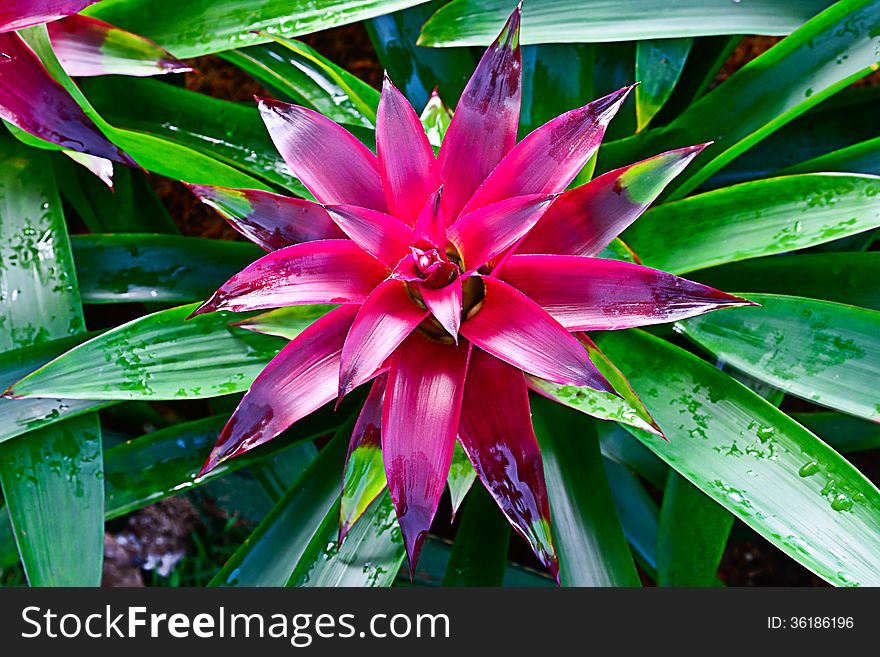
461,303
459,276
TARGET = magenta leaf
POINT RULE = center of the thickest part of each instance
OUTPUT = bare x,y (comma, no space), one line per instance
496,433
512,327
326,271
419,431
486,232
34,101
382,236
585,220
271,221
86,46
364,475
16,14
594,293
483,128
299,380
445,304
430,228
548,159
406,160
327,159
384,320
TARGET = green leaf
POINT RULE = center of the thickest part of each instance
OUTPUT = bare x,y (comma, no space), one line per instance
755,219
863,157
639,515
843,432
158,356
149,268
200,27
477,22
461,477
617,445
758,463
479,553
370,555
824,352
838,122
659,63
842,277
555,79
286,322
589,540
18,416
436,118
414,69
824,56
691,536
52,478
231,134
272,553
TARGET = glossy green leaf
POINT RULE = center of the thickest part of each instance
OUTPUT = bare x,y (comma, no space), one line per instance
863,157
625,407
659,63
479,553
18,416
764,217
837,123
231,134
370,555
52,478
477,22
200,27
762,466
842,277
274,550
691,536
824,56
844,433
286,322
159,356
436,118
586,530
618,445
555,79
638,513
417,70
461,477
145,268
827,353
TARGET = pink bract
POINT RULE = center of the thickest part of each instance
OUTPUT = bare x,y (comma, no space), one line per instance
460,275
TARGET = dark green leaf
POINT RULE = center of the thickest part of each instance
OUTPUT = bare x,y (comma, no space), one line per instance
146,268
659,63
479,553
843,432
586,530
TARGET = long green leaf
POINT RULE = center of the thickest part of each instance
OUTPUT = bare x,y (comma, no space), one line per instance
52,478
417,70
586,530
370,555
764,217
200,27
479,553
840,45
477,22
691,536
159,356
230,133
844,433
863,157
638,513
146,268
556,79
827,353
298,73
272,553
659,63
842,277
762,466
